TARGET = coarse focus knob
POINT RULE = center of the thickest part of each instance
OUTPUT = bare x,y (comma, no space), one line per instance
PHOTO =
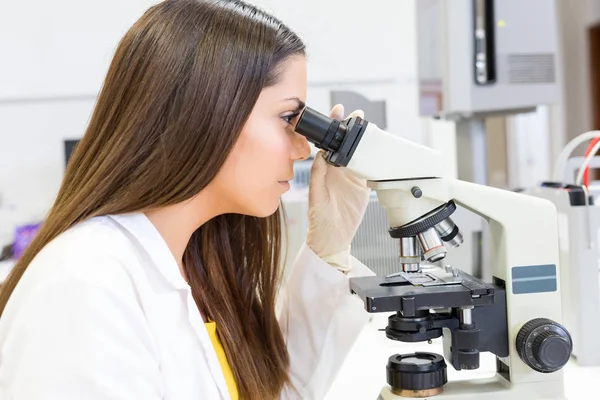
544,345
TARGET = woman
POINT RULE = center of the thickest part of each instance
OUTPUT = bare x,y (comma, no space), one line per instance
156,274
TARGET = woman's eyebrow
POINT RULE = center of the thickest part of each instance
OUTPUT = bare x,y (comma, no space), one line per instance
301,104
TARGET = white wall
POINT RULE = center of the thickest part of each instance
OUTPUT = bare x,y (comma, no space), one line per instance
351,46
54,58
348,41
55,55
62,47
32,154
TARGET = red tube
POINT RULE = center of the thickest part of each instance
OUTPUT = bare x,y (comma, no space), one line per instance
586,173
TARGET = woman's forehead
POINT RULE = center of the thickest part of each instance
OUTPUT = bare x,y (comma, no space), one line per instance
292,79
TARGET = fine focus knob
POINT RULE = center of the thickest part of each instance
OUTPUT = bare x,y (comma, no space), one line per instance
544,345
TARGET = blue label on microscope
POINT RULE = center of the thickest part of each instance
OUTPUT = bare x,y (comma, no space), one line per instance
534,279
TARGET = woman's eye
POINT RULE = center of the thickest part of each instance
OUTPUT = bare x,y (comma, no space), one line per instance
290,117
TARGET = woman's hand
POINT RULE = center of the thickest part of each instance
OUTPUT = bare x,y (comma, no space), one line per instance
336,206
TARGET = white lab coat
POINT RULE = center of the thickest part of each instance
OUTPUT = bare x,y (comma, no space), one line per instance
103,313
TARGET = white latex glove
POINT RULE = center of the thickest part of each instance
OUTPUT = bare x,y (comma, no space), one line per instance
337,202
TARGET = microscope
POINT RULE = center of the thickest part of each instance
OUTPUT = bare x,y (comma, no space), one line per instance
517,316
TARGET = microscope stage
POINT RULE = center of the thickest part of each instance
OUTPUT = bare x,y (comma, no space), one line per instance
410,292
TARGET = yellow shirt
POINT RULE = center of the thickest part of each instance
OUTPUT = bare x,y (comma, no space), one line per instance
211,327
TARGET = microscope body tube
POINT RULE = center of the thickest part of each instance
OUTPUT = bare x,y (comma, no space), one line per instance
398,159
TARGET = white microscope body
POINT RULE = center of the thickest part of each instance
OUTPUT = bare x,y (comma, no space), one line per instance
409,184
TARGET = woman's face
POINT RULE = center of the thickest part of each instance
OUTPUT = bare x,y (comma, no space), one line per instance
258,169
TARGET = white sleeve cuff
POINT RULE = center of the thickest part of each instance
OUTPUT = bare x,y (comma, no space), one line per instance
346,263
340,261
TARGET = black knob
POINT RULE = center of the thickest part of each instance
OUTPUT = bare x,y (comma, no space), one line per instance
416,373
416,191
544,345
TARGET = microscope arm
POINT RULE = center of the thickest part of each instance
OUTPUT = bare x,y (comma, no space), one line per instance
408,179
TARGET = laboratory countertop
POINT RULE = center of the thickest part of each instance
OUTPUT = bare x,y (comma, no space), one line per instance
363,374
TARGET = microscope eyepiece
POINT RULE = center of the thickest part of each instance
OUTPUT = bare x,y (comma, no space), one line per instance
324,132
338,138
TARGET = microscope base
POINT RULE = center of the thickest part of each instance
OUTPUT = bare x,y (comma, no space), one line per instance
495,388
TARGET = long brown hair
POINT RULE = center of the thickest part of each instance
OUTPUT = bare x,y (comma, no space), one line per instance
181,85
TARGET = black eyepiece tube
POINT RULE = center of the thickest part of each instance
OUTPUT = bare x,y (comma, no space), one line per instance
324,132
313,125
339,139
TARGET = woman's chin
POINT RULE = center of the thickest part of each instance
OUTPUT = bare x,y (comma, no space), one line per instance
263,211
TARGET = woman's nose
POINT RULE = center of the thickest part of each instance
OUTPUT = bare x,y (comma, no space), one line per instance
300,148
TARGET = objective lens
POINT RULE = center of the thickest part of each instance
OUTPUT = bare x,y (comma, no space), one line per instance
432,245
449,232
410,257
324,132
